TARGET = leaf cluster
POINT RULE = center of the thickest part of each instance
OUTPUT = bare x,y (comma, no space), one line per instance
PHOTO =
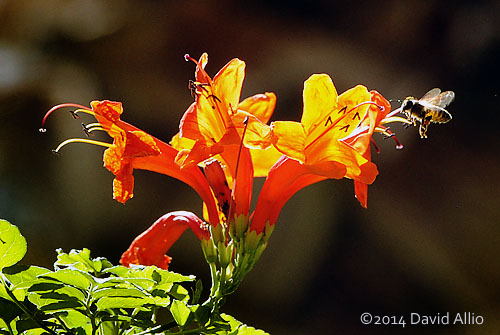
85,295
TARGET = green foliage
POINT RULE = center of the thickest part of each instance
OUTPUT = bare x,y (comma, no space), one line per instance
85,295
12,244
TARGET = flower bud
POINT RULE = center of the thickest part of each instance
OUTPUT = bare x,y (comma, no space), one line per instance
252,240
209,250
225,253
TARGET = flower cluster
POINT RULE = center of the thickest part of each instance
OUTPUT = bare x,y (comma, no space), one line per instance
223,144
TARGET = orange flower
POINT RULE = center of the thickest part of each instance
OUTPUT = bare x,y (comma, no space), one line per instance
150,247
322,145
216,119
132,149
218,125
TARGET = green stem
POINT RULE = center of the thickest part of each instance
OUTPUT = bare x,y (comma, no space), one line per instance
215,279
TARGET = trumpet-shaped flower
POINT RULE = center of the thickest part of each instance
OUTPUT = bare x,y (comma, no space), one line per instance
217,119
331,141
132,149
151,246
218,125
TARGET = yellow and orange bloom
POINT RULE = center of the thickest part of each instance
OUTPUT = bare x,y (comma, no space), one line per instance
217,119
151,246
217,125
331,141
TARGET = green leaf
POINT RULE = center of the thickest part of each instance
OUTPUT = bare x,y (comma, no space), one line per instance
118,292
159,276
80,260
201,313
238,328
77,321
197,292
12,244
74,278
180,312
123,302
22,277
178,292
144,283
45,287
62,305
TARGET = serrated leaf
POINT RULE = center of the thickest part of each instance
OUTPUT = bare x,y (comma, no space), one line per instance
122,302
180,312
144,283
12,244
71,277
22,276
81,260
117,270
179,292
172,277
238,328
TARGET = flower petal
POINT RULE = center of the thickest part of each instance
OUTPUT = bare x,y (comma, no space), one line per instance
285,178
259,105
289,138
263,160
123,184
227,83
320,98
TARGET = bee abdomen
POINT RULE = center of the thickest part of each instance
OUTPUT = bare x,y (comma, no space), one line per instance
441,116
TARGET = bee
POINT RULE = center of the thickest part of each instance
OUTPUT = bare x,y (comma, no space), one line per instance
429,108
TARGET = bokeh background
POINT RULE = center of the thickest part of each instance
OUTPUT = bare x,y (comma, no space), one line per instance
429,241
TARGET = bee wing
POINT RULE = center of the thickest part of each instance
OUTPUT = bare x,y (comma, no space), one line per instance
444,99
432,94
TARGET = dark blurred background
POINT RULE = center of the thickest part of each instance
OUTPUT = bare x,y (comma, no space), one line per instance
429,240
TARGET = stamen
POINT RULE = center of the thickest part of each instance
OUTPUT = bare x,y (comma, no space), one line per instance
85,130
74,115
382,108
389,134
188,58
377,149
245,122
81,140
80,109
395,119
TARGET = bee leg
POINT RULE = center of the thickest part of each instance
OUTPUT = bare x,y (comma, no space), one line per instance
423,126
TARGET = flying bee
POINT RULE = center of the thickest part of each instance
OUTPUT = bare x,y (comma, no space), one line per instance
430,108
